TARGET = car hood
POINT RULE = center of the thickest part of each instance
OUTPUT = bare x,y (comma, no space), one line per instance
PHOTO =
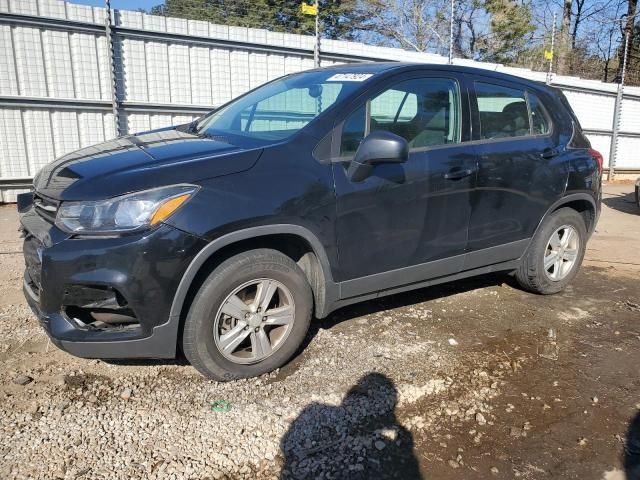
137,162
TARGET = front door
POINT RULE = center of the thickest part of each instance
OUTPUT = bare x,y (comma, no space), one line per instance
405,222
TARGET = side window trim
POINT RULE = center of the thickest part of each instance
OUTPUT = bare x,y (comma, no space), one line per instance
367,118
404,99
461,90
529,114
545,112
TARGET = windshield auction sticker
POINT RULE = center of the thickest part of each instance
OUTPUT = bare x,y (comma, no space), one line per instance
349,77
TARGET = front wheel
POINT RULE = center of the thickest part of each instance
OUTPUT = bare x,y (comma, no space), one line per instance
555,253
249,317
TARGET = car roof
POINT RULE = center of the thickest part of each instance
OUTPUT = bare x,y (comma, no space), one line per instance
397,67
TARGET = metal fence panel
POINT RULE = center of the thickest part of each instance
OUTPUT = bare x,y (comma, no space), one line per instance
56,94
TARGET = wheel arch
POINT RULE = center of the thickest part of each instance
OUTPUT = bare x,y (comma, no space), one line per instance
292,240
583,203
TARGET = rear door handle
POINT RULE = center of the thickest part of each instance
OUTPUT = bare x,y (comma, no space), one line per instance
458,174
548,153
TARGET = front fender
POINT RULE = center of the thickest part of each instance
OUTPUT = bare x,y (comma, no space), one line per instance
331,290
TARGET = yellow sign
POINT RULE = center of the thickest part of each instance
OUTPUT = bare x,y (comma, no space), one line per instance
548,55
309,9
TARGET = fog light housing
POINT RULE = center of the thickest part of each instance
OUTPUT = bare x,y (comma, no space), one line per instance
98,308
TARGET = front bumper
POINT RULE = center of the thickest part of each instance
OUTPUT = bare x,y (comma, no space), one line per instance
144,269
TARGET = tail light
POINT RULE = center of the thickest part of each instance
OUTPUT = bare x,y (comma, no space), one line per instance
597,156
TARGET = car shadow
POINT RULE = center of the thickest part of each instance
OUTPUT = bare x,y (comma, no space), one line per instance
406,299
358,310
631,457
359,439
623,202
179,361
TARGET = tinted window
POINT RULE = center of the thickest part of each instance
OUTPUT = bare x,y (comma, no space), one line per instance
424,111
503,111
540,123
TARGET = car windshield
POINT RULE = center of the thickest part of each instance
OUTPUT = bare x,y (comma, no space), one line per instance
283,107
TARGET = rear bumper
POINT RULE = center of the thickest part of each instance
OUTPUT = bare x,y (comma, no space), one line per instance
142,270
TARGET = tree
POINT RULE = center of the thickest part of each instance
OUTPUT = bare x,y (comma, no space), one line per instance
510,27
338,18
483,29
420,25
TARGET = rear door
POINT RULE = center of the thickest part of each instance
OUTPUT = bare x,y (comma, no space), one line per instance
518,177
404,216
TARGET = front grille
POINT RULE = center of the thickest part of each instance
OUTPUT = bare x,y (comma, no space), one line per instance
46,207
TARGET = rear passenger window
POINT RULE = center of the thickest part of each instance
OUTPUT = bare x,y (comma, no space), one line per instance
503,111
540,123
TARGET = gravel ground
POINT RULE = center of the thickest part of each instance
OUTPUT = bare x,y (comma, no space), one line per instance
475,379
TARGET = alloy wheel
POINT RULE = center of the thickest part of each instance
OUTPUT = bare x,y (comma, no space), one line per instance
254,321
561,253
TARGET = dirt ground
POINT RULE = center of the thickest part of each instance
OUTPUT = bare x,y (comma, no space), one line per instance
476,379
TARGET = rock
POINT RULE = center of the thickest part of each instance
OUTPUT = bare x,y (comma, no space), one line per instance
380,445
32,408
22,380
390,434
453,464
480,419
453,342
494,470
126,394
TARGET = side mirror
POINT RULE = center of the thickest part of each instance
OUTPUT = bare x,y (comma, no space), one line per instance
378,147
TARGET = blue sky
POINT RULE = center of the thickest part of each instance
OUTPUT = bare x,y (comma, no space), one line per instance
122,4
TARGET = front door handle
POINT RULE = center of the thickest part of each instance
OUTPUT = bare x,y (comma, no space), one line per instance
456,174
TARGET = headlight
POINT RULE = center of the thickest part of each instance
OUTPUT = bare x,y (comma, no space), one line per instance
127,213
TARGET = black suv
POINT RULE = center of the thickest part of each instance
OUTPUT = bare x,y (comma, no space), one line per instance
225,236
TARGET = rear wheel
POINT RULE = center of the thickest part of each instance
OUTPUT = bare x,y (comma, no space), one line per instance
249,317
555,253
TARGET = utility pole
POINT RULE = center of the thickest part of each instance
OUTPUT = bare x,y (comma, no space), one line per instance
316,50
553,39
453,6
115,107
617,113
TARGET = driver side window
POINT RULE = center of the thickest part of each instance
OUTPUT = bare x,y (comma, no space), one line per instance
424,111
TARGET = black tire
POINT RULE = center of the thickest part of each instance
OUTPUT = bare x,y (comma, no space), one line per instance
531,274
198,342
